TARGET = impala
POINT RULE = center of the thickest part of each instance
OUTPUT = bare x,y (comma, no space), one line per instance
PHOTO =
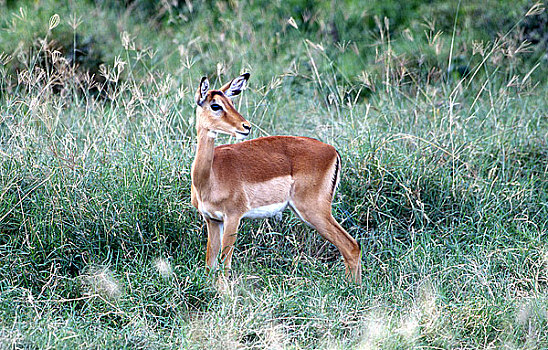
260,178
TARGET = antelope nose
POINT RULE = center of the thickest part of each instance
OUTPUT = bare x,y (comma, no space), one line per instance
246,126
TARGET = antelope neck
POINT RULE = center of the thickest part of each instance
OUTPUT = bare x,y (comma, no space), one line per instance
203,160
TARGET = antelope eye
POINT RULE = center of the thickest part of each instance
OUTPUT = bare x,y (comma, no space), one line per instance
216,107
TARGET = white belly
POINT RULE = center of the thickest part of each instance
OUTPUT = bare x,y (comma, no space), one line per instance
266,211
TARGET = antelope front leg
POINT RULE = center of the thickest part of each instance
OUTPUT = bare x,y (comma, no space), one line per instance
214,237
228,240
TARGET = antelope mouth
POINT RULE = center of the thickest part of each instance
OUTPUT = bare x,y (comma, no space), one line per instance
242,135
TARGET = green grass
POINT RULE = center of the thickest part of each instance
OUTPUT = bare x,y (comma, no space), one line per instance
444,180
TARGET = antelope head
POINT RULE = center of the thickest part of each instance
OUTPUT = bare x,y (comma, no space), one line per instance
215,110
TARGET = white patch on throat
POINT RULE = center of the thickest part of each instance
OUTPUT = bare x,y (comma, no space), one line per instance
266,211
212,134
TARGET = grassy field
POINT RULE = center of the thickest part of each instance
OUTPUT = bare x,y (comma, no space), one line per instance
439,112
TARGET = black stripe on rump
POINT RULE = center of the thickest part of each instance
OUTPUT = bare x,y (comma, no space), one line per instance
335,175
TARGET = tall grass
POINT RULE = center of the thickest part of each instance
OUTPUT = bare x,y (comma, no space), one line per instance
444,185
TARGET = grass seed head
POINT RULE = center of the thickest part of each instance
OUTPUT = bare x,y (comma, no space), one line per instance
101,281
54,21
409,327
163,267
376,330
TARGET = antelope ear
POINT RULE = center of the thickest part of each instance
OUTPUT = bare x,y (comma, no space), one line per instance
236,86
202,91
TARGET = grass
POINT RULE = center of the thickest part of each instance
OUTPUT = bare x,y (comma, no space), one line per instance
444,179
